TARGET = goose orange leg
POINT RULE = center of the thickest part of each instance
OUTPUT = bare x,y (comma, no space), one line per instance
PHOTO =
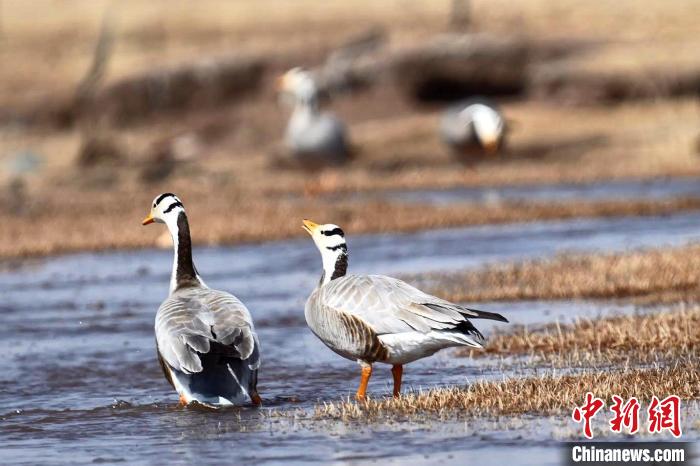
255,398
364,380
397,372
183,400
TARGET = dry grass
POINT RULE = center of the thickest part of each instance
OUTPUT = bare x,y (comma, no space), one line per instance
231,187
46,45
47,52
665,345
639,339
664,275
548,394
110,220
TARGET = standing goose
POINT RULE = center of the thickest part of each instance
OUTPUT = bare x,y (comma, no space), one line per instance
375,318
206,342
314,138
473,128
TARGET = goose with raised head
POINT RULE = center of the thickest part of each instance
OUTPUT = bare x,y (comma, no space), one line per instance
205,338
473,128
375,318
313,137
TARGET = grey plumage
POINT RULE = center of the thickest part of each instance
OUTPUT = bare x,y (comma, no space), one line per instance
313,137
374,318
316,138
352,313
205,338
208,335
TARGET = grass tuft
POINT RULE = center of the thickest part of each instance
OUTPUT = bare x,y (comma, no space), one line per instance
548,394
637,339
662,275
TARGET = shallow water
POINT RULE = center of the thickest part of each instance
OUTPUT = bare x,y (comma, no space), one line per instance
80,382
654,189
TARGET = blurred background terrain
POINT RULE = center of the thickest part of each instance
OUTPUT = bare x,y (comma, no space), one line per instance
583,229
105,104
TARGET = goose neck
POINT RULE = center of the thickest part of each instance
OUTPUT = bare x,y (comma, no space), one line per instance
334,266
184,272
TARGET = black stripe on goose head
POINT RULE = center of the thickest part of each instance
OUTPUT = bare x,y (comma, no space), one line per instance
172,206
160,198
333,232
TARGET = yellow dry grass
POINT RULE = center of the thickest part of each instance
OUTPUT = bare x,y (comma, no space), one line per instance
671,274
232,188
549,394
642,355
668,341
637,339
66,223
626,20
46,45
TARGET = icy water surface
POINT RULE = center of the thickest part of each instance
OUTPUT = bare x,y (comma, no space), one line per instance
655,189
80,382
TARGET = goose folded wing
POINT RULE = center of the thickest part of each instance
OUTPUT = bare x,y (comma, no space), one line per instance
206,321
390,305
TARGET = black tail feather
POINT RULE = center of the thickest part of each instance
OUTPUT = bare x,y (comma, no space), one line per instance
468,312
486,315
468,328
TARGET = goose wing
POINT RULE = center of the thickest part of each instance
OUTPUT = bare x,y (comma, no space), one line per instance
452,128
389,305
196,321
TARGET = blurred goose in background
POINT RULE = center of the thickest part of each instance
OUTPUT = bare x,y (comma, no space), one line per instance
314,138
473,128
374,318
205,338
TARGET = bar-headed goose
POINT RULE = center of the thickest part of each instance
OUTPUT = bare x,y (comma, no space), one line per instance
205,338
473,128
374,318
313,137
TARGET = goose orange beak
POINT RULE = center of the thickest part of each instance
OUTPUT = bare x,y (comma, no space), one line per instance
148,220
491,146
309,226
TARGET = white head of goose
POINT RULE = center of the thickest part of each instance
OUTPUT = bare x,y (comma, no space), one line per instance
205,338
314,138
472,128
375,318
